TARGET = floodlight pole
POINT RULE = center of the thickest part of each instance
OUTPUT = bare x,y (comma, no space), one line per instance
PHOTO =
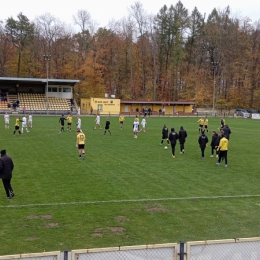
214,66
47,58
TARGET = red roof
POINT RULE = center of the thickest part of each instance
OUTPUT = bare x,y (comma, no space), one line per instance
157,102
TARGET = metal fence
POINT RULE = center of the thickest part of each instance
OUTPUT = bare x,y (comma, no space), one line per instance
228,249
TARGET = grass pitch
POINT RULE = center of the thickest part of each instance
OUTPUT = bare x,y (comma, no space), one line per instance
127,191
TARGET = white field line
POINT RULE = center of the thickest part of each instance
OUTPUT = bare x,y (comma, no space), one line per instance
131,200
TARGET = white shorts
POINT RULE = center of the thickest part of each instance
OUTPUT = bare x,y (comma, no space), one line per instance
135,129
7,121
24,125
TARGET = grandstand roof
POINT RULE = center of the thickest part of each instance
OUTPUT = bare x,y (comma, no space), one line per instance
38,80
185,102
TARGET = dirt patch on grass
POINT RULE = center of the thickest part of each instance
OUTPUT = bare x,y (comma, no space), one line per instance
51,225
110,231
121,219
46,216
156,209
32,217
41,216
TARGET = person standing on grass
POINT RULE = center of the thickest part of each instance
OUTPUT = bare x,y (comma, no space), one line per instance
121,121
206,124
226,131
61,121
17,126
203,140
222,123
107,126
143,123
6,169
97,120
173,137
24,124
165,135
135,127
80,144
214,143
69,120
223,149
7,120
201,123
182,138
79,123
30,121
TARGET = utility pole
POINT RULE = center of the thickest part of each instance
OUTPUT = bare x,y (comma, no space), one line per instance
47,58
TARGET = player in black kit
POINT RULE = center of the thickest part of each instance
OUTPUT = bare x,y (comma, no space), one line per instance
165,132
107,126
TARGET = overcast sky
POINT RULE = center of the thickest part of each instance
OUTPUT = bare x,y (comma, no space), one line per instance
102,11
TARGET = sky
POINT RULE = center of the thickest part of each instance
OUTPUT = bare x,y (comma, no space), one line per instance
103,11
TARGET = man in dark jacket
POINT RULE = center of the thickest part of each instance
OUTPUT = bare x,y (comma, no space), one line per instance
165,135
6,169
226,131
203,140
214,143
173,137
182,137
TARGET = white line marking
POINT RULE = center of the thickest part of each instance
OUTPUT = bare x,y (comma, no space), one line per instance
120,201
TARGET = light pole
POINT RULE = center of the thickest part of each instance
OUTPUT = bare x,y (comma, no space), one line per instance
214,66
47,58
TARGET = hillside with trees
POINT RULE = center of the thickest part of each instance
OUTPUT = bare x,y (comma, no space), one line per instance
175,54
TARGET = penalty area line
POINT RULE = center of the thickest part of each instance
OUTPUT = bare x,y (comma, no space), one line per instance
130,200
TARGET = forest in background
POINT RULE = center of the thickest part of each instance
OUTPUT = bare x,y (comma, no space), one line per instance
168,56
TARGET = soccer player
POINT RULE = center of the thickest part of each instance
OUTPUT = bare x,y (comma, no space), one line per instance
24,124
69,120
107,126
30,121
7,120
143,123
173,137
206,124
214,143
135,129
80,143
121,120
182,137
223,149
201,123
97,120
222,123
226,131
61,121
203,140
79,123
165,133
17,126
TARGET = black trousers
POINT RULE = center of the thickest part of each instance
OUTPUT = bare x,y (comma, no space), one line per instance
202,148
173,148
7,186
222,154
182,146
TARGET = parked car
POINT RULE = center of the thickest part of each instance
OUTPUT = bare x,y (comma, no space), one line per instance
252,111
241,112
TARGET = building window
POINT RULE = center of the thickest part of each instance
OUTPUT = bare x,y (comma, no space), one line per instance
67,90
100,107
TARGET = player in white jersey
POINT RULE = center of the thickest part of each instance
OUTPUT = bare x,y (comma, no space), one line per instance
24,124
7,120
79,124
135,128
30,120
143,123
97,120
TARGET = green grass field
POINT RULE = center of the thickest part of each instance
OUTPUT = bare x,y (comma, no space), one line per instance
127,191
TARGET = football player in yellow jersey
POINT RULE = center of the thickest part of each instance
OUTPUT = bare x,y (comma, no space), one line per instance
17,126
223,149
206,124
69,120
121,120
201,123
80,143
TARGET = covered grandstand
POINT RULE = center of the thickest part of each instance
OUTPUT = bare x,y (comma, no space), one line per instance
37,95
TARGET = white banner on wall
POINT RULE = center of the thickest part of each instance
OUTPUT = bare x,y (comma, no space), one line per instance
255,116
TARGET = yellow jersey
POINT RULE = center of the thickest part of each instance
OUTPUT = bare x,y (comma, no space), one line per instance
69,119
121,118
223,144
81,138
17,120
201,121
206,121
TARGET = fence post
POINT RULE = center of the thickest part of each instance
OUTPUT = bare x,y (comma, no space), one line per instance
66,253
182,253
